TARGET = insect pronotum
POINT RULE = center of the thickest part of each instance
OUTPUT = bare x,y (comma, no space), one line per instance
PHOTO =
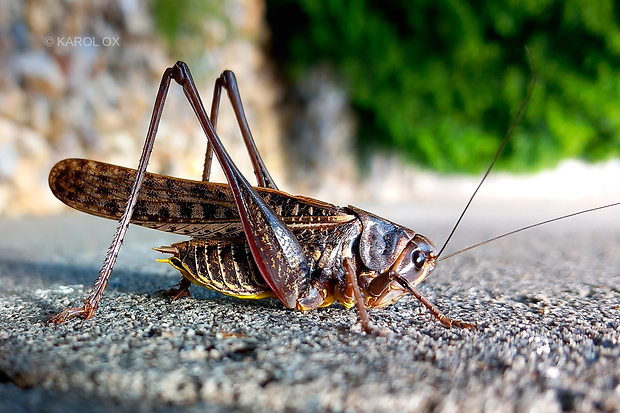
253,242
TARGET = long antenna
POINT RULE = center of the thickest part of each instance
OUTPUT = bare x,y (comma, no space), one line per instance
513,125
527,227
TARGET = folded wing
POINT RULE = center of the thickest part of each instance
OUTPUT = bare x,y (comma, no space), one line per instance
180,206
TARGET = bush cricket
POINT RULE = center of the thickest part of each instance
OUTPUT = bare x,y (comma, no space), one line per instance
254,242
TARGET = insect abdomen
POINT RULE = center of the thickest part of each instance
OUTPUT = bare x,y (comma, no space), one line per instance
225,266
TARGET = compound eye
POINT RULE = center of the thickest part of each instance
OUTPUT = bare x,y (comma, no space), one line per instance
418,258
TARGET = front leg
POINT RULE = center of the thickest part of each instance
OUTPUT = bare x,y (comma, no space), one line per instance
435,312
351,279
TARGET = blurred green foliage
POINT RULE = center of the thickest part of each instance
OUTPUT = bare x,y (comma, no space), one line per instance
182,24
439,81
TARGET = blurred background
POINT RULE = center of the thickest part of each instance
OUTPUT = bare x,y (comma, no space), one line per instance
349,101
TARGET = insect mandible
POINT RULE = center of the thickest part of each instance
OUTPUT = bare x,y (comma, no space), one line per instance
252,242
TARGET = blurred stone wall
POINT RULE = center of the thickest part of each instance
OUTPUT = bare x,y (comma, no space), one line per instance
78,79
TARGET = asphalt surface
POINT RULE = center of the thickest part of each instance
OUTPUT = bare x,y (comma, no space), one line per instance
547,303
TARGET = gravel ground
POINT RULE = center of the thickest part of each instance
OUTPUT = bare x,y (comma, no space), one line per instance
547,302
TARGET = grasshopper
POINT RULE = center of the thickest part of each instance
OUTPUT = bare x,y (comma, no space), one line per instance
252,242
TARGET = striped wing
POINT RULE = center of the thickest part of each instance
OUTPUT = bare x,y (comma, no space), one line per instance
180,206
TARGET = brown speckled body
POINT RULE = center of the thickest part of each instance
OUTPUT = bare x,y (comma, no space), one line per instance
217,256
